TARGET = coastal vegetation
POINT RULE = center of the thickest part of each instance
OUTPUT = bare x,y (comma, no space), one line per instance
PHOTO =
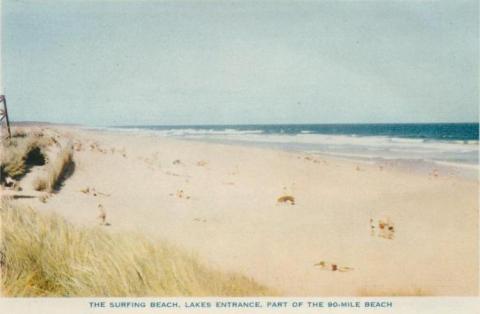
20,152
27,149
56,171
43,255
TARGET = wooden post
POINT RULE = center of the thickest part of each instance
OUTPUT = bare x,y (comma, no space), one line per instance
5,113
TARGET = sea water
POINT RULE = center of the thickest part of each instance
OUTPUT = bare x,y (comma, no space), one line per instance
450,144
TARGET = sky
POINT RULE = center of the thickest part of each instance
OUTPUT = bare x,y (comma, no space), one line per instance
105,63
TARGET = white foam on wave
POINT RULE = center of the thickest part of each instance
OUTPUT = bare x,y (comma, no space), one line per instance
370,142
179,132
457,165
190,132
354,146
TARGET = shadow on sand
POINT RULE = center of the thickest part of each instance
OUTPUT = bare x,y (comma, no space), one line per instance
67,173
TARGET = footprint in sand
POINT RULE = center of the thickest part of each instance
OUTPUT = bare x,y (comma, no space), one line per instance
202,163
77,147
323,265
181,194
312,159
85,190
93,192
44,197
383,228
286,199
102,215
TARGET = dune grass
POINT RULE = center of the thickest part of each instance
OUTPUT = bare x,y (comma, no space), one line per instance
55,170
46,256
19,152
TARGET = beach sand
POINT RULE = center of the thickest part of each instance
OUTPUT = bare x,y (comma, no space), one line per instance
220,202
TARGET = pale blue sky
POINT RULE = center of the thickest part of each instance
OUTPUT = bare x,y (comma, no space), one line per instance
158,62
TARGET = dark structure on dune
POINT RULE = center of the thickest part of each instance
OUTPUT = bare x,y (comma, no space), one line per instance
4,113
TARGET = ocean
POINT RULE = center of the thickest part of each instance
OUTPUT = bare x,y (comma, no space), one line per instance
455,144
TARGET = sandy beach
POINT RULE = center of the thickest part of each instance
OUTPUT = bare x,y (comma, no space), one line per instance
390,231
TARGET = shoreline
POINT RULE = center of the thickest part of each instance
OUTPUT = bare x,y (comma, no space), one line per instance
220,202
469,171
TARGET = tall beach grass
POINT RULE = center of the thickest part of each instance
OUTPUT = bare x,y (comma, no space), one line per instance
20,152
43,255
55,171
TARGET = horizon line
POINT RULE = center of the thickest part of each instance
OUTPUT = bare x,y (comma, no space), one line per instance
236,124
